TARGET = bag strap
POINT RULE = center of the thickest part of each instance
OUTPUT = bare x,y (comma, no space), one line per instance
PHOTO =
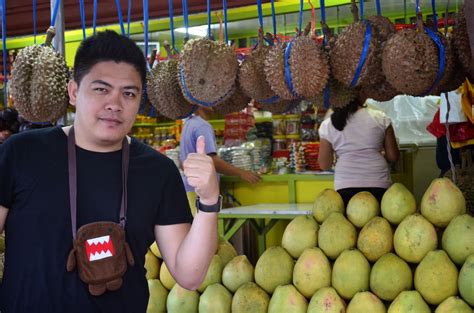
72,166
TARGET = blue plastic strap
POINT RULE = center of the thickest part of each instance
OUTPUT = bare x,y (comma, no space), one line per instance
300,19
326,96
379,10
442,58
288,81
129,15
435,16
417,3
145,30
94,17
361,4
209,33
322,6
224,6
189,96
260,13
119,13
170,13
185,18
83,18
55,13
34,21
274,21
4,48
365,51
271,100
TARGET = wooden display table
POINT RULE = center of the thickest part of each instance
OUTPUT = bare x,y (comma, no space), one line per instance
262,217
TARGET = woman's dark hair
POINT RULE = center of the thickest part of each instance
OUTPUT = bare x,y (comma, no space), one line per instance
108,46
340,116
9,120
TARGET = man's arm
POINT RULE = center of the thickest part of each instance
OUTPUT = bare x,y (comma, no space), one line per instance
228,169
188,249
3,217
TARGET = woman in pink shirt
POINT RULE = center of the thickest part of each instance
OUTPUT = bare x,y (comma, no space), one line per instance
364,143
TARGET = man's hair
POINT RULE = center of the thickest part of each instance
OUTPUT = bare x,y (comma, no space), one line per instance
108,46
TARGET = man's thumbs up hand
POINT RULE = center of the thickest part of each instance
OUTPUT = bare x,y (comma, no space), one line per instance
201,173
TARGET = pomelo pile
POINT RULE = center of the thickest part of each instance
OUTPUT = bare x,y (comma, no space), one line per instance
367,257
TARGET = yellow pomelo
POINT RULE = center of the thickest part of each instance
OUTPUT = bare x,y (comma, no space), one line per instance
466,279
312,272
274,268
237,272
390,275
152,265
375,239
362,207
214,273
158,296
364,302
409,302
215,299
326,300
458,238
453,304
226,251
250,298
327,202
350,273
301,233
156,251
397,203
166,278
181,300
336,234
287,299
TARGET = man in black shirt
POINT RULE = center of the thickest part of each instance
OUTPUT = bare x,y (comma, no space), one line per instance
35,208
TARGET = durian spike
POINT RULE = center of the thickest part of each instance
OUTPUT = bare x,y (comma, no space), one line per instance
307,29
260,38
419,23
152,58
50,33
167,47
221,27
326,30
355,11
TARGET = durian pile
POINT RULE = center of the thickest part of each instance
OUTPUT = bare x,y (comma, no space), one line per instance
39,82
366,257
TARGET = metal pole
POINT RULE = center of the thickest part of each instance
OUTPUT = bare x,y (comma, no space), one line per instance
58,40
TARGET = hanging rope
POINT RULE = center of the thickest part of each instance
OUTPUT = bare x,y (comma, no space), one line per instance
170,11
260,13
83,18
94,17
361,4
185,18
300,19
274,21
322,6
379,10
448,144
129,15
224,7
435,16
209,33
365,52
55,13
119,13
145,30
34,21
4,48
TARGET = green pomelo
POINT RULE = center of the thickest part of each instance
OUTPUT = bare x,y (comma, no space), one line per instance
364,302
350,273
214,273
156,251
414,238
458,238
327,202
274,268
442,201
326,300
226,251
250,298
362,207
336,234
181,300
237,272
301,233
397,203
158,296
436,277
390,275
409,302
152,265
375,239
287,299
453,304
466,279
166,278
215,299
312,272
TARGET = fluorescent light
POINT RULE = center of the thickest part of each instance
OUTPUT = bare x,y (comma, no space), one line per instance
200,31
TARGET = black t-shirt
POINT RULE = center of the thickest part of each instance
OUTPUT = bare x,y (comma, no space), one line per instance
34,187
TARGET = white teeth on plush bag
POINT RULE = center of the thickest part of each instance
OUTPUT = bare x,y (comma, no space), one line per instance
98,240
98,256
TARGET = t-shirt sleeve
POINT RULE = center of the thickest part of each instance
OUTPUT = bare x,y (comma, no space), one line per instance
324,130
381,118
6,174
208,132
173,205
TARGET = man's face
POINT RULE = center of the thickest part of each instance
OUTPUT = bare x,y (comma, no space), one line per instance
106,101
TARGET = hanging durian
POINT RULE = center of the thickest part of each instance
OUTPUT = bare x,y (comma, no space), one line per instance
461,43
346,52
381,91
308,65
410,60
383,27
207,71
39,82
450,66
236,102
252,78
